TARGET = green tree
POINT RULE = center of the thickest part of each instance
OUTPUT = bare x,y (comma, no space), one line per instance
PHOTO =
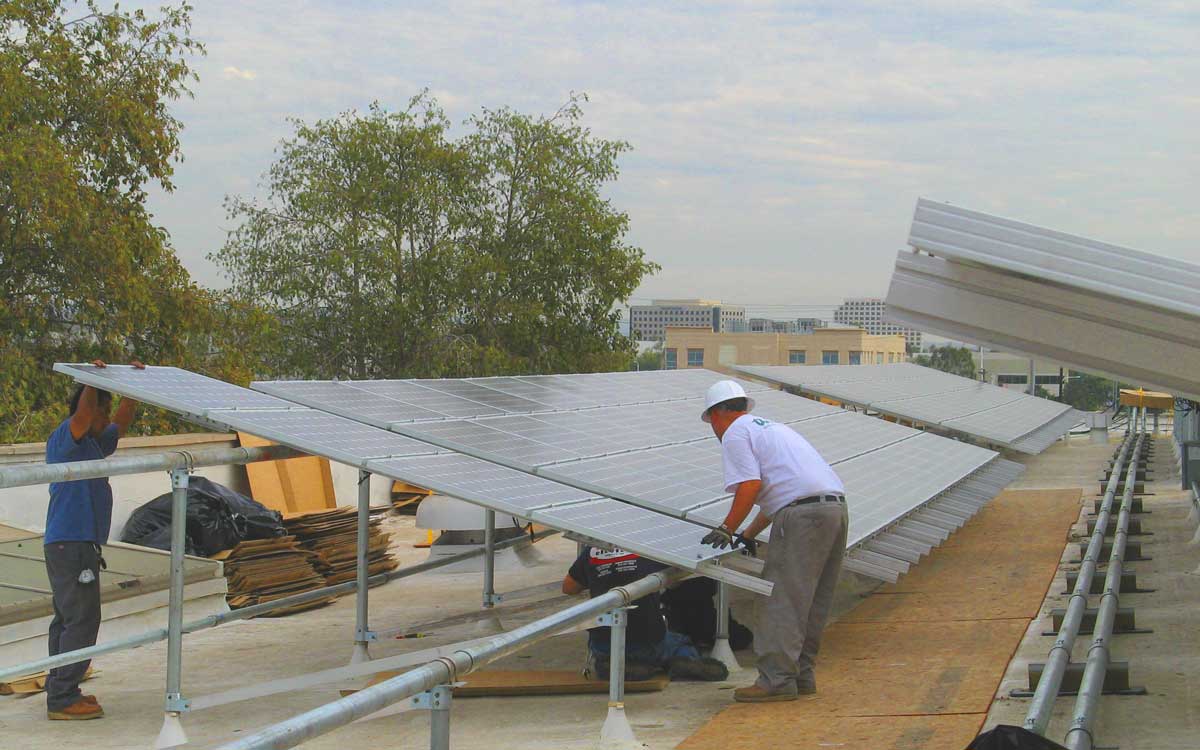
651,359
85,129
1088,392
955,360
387,249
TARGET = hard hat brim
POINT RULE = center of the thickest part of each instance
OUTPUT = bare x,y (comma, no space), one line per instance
704,417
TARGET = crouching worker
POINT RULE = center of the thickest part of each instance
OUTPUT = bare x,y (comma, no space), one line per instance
649,646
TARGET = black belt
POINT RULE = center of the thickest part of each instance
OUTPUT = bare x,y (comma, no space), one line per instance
817,499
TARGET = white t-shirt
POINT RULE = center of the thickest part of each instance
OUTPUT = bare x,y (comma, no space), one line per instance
789,467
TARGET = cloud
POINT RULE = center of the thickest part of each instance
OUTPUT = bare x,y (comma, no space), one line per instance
794,138
231,72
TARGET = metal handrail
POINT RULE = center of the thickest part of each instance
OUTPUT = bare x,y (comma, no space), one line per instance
245,613
1079,736
1038,716
24,475
444,671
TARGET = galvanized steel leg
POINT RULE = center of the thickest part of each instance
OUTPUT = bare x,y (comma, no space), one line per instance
362,632
172,734
437,701
489,559
616,725
721,650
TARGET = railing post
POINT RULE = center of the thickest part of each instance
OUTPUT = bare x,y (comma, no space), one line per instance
616,724
437,701
362,632
172,734
721,650
489,559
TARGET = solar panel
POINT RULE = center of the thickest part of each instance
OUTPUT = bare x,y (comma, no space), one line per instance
671,479
885,484
927,396
655,535
172,388
844,435
672,541
445,404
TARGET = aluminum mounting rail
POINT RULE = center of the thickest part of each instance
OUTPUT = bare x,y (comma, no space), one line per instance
1038,716
1079,736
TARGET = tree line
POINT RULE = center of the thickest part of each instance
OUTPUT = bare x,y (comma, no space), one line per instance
383,247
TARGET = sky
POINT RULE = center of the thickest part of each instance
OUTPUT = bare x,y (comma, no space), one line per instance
778,148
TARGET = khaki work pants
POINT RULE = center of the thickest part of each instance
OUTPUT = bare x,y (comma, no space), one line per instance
803,561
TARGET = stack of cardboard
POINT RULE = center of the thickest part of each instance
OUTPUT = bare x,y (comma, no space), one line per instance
331,535
406,497
264,570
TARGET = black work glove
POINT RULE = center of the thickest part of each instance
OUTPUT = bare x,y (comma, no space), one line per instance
719,537
747,543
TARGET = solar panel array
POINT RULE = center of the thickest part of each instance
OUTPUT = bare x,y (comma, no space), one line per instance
1000,416
622,458
659,456
670,540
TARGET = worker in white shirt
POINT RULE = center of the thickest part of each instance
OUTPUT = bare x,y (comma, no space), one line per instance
799,495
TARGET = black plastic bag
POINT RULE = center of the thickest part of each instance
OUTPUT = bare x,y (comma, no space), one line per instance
217,519
1007,737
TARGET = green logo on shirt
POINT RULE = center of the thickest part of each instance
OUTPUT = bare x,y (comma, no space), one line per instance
761,422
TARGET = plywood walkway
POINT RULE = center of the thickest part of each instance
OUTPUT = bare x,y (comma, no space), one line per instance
916,665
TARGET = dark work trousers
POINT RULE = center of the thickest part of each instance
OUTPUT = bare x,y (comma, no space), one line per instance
74,569
803,562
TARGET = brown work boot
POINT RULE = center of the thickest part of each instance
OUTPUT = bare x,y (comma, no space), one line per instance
90,699
758,694
80,710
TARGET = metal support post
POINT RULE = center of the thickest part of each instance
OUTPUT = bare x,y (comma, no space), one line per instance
437,701
362,631
490,597
1032,378
172,734
616,725
721,651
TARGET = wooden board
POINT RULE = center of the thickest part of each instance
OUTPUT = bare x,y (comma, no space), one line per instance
500,682
917,664
297,485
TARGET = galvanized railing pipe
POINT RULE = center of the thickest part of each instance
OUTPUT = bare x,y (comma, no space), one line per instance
24,475
1079,736
446,670
1038,716
212,621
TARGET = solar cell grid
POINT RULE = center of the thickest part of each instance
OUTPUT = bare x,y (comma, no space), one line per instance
446,404
345,399
672,540
475,480
324,434
173,388
844,435
478,440
940,407
884,485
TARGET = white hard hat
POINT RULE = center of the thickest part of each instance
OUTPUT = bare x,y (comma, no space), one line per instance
723,391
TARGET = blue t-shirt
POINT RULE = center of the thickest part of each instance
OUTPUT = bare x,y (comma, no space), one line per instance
80,511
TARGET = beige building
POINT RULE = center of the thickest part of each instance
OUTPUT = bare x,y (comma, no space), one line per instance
688,347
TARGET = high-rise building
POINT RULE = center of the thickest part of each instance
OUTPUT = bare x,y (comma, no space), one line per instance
649,322
868,312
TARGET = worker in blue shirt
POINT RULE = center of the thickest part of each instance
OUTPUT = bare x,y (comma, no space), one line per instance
77,523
